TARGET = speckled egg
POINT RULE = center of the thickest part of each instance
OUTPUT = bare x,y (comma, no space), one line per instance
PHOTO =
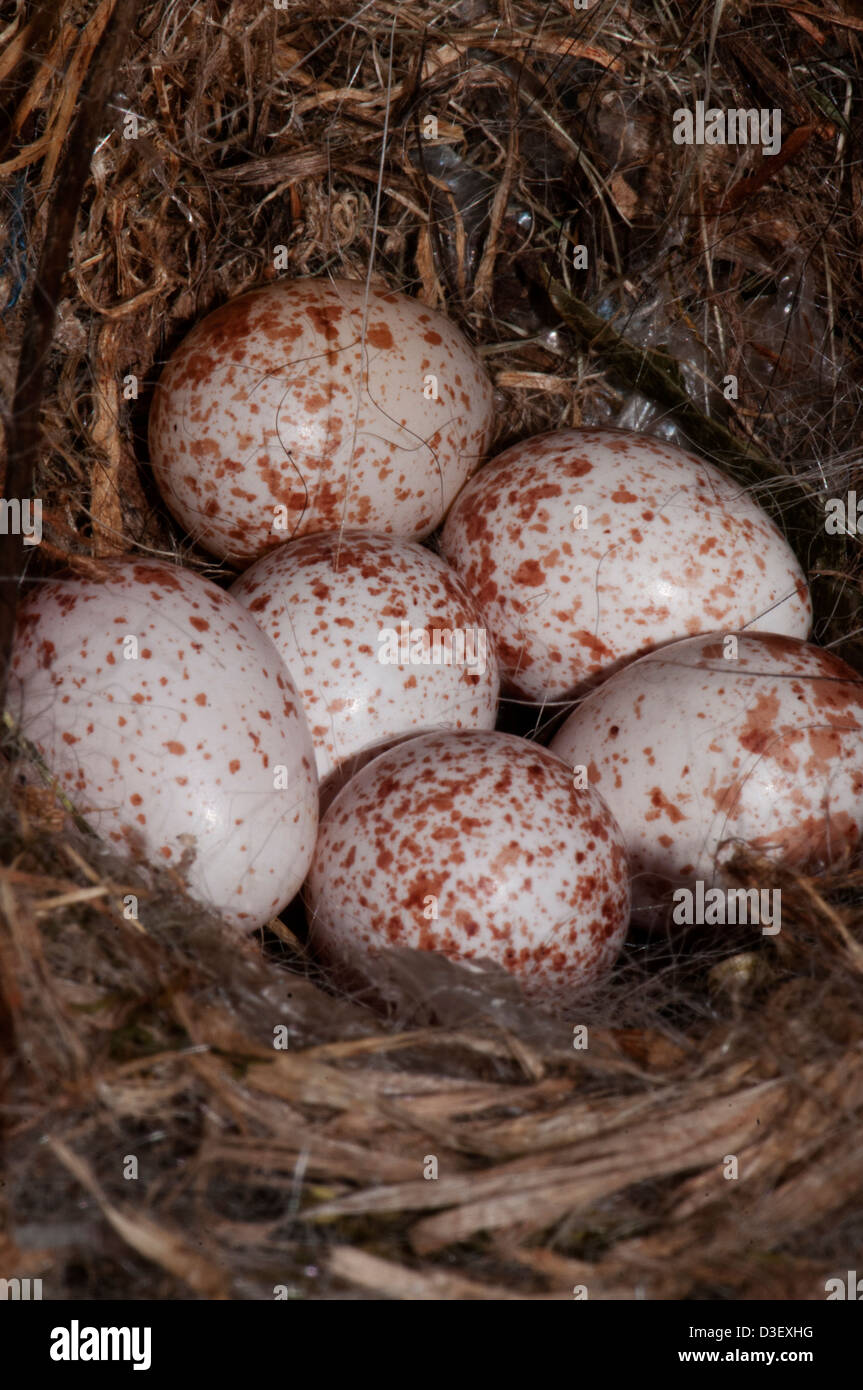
311,405
169,719
380,636
698,751
479,846
586,548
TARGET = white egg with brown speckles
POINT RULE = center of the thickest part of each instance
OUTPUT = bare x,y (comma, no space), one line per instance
587,548
723,741
170,721
477,845
314,404
380,636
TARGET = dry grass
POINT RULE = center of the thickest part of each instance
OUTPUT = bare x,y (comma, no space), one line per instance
305,128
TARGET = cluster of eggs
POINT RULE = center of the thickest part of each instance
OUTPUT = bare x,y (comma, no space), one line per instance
330,720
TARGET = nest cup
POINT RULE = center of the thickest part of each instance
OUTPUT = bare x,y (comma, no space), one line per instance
515,169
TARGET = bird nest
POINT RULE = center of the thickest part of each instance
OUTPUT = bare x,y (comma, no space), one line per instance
696,1134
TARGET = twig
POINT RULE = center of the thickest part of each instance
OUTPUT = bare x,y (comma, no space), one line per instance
27,45
657,374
